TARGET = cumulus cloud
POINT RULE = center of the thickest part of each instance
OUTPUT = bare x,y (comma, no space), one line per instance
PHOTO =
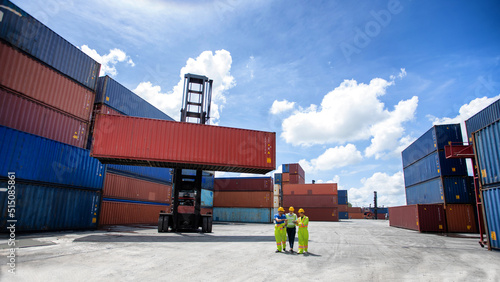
466,111
401,74
336,157
215,66
352,112
108,61
390,190
281,106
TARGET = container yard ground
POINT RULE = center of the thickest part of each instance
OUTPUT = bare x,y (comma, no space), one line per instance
351,250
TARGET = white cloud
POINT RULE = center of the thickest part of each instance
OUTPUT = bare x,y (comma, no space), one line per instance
215,66
108,61
390,190
281,106
387,134
466,111
353,112
335,179
336,157
400,75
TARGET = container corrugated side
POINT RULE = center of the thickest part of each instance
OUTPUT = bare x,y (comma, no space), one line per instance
482,119
296,179
356,215
39,159
255,199
160,143
23,114
115,212
434,139
432,166
423,218
285,168
28,77
487,145
491,202
243,184
250,215
120,98
158,174
122,187
207,198
310,189
296,169
320,201
28,34
322,214
48,208
342,208
461,218
451,190
342,197
277,178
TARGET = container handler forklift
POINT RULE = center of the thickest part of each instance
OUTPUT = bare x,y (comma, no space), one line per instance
195,108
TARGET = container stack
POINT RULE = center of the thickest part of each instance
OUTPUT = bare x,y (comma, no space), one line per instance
293,174
483,130
244,199
343,202
356,213
430,178
318,200
131,194
47,88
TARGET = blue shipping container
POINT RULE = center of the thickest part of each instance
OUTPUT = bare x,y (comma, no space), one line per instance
285,168
277,178
28,34
449,190
434,139
43,208
380,210
120,98
432,166
256,215
155,174
491,202
487,145
429,192
39,159
343,215
484,118
207,198
342,197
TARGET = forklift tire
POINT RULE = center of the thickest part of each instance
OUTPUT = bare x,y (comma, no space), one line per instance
160,223
209,229
204,225
166,222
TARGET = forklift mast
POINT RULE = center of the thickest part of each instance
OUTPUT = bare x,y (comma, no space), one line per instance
196,100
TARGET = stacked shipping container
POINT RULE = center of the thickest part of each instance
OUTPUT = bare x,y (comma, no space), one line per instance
244,199
343,204
292,174
483,130
46,95
319,201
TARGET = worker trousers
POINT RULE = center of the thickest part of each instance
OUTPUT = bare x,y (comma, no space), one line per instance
303,239
290,231
280,235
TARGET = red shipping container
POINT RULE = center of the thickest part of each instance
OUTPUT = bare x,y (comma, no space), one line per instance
319,201
160,143
26,115
190,209
31,78
322,214
342,208
461,218
354,210
254,199
243,184
297,179
310,189
296,169
285,177
356,215
423,218
381,216
129,213
123,187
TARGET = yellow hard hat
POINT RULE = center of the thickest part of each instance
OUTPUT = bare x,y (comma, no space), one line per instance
281,209
291,209
301,210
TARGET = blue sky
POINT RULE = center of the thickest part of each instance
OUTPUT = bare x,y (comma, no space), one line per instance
345,84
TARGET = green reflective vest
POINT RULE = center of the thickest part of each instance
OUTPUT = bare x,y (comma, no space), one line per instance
291,218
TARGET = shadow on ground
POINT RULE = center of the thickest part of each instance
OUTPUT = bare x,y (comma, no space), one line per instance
172,238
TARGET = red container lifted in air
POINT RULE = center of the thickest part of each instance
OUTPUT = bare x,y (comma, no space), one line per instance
159,143
244,184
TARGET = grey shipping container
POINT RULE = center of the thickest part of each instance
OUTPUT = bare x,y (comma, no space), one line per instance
491,201
120,98
21,30
484,118
432,166
434,139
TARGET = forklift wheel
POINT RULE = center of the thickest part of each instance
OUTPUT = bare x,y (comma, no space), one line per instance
160,223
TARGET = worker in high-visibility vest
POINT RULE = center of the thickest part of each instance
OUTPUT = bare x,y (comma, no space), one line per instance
280,229
303,222
290,227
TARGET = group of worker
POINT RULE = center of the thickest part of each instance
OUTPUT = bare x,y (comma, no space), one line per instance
285,224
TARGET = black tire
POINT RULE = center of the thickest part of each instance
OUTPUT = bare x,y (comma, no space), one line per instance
166,221
209,229
160,223
204,225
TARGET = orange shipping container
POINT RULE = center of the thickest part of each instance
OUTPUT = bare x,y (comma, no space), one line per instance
356,215
310,189
354,210
342,208
461,218
322,214
129,213
297,179
285,177
122,187
255,199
